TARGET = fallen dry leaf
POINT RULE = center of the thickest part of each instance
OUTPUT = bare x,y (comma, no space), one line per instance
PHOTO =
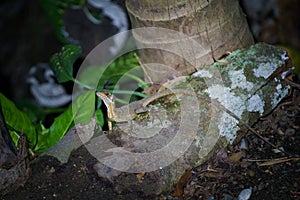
234,158
140,176
181,184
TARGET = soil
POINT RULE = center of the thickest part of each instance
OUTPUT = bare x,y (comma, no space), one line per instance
74,180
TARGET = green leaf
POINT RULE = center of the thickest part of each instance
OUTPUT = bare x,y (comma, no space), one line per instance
17,121
58,129
62,63
14,136
81,111
125,67
90,75
84,107
43,133
99,117
118,68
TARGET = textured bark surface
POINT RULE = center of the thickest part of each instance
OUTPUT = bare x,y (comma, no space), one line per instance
14,165
218,26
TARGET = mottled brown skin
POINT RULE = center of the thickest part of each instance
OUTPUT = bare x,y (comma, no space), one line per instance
130,111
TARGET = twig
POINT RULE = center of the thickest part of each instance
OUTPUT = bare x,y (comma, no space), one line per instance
295,85
267,162
143,67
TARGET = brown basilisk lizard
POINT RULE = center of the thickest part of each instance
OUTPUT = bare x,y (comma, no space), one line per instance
130,111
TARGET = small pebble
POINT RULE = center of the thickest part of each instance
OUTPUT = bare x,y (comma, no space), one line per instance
244,144
279,150
245,194
51,170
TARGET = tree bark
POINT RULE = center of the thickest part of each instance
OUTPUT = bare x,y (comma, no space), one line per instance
8,152
218,26
14,165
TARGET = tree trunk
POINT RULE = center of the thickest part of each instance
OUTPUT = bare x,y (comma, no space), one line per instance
14,165
218,26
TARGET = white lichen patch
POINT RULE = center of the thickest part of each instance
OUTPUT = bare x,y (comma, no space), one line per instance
227,125
267,67
279,94
256,104
226,98
202,73
238,80
264,70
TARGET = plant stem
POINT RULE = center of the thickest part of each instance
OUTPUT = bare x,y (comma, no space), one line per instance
128,92
83,84
139,80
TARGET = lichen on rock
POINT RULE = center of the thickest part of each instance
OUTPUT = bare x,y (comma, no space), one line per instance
248,82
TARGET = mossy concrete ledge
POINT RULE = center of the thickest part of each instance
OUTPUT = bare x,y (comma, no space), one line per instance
248,82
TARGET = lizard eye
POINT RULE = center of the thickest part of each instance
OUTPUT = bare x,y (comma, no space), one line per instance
106,94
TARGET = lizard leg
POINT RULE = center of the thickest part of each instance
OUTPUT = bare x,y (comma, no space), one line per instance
109,125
